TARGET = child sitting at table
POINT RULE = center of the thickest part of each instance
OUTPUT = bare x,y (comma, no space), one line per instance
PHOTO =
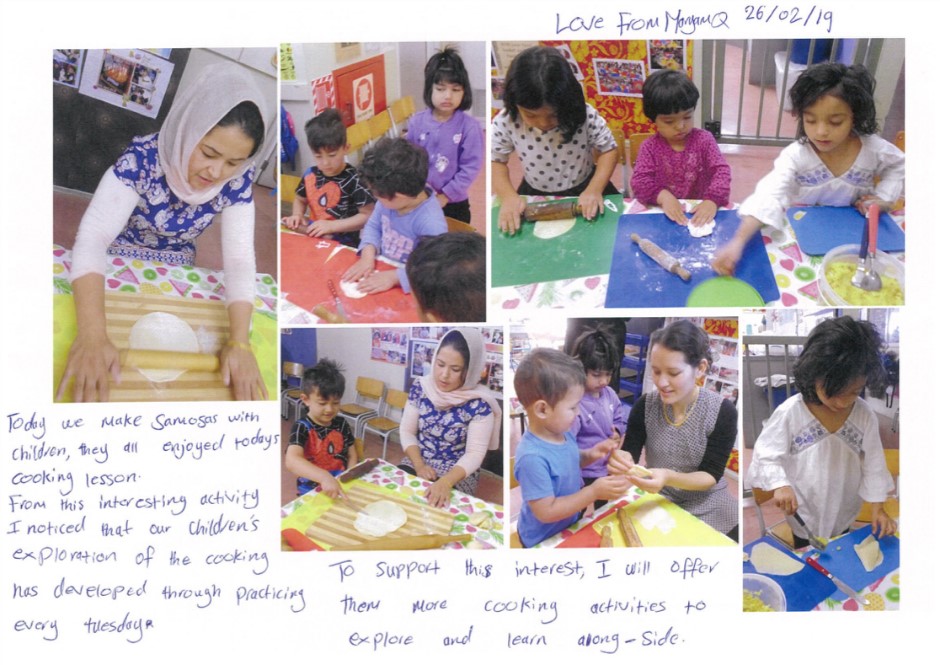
339,204
447,274
321,443
600,418
837,160
406,210
549,385
820,453
679,161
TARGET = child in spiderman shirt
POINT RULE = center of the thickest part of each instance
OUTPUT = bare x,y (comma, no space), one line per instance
321,443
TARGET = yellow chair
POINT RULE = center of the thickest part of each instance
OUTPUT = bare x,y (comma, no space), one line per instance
456,226
636,140
357,136
369,394
385,424
400,111
622,160
291,395
287,187
380,125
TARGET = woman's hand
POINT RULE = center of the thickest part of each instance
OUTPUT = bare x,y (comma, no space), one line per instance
703,213
785,500
620,463
510,213
881,523
361,268
423,470
655,483
672,208
438,494
378,281
94,362
240,372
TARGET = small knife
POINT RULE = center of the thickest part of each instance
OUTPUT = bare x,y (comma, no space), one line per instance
818,543
840,585
339,305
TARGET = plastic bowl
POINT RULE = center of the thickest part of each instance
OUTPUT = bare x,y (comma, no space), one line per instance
838,267
765,591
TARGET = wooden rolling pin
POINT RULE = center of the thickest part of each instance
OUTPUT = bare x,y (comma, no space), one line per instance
550,211
328,316
425,542
661,256
607,539
630,536
146,359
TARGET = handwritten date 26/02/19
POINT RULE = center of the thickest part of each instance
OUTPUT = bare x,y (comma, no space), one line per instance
792,14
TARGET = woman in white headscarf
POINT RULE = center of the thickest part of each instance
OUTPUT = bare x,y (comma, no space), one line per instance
451,419
152,204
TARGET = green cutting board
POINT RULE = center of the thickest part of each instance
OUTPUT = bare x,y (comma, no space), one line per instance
583,251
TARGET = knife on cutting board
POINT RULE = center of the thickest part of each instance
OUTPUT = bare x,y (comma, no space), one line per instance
339,305
840,585
352,474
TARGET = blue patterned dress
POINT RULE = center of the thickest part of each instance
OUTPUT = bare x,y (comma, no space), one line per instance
442,434
163,227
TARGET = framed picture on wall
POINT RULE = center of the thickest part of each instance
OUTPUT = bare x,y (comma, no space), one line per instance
666,54
67,66
621,78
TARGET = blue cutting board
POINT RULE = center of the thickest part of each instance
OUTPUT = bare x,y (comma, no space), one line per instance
804,589
638,281
820,228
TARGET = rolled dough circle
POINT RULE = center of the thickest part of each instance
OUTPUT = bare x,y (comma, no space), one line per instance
769,560
553,229
160,331
351,290
703,230
380,518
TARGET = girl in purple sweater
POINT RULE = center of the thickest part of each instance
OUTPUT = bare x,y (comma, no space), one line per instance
600,418
453,139
679,161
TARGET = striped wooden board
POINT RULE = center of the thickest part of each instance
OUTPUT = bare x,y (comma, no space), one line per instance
335,527
208,319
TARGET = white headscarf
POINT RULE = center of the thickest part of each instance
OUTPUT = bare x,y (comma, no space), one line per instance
471,388
196,110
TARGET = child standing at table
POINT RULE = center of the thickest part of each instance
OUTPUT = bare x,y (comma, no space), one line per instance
555,133
680,161
406,210
339,204
820,453
550,384
453,139
600,418
321,444
837,160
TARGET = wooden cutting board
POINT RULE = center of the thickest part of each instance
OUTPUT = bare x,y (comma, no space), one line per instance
335,527
207,318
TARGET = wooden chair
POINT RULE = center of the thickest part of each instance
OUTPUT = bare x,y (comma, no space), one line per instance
513,483
357,136
380,125
892,505
627,151
456,226
389,416
287,187
369,394
622,160
292,375
636,140
779,531
400,111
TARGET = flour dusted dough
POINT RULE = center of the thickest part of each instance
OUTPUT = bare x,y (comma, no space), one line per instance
869,553
380,518
553,229
160,331
351,290
769,560
703,230
652,517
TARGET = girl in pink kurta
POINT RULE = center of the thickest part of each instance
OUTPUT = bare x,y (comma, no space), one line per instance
679,161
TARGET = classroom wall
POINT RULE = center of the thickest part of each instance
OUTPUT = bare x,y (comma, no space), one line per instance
299,345
352,348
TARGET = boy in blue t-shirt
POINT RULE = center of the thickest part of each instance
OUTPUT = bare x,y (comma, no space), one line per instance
550,384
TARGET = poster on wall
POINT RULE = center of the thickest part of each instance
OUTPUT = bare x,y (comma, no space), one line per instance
324,95
67,66
134,79
422,353
390,345
666,54
623,78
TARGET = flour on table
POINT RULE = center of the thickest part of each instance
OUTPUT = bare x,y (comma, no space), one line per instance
160,331
769,560
652,517
380,518
351,290
553,229
703,230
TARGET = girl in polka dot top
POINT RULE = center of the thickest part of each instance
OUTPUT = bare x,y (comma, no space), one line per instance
555,133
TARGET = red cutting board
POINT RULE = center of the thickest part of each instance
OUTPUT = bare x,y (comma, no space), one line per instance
308,263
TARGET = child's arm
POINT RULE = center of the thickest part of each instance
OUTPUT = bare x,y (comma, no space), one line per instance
727,256
296,463
469,162
592,198
328,226
718,190
511,204
554,508
298,208
672,208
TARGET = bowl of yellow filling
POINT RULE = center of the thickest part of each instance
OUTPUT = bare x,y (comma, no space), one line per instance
762,594
839,266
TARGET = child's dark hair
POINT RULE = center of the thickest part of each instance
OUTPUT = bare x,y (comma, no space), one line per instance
596,351
447,273
540,76
326,377
686,338
838,352
454,340
326,131
394,166
668,91
546,374
447,67
854,85
247,118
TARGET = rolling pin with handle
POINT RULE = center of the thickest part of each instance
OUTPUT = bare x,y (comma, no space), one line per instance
661,256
